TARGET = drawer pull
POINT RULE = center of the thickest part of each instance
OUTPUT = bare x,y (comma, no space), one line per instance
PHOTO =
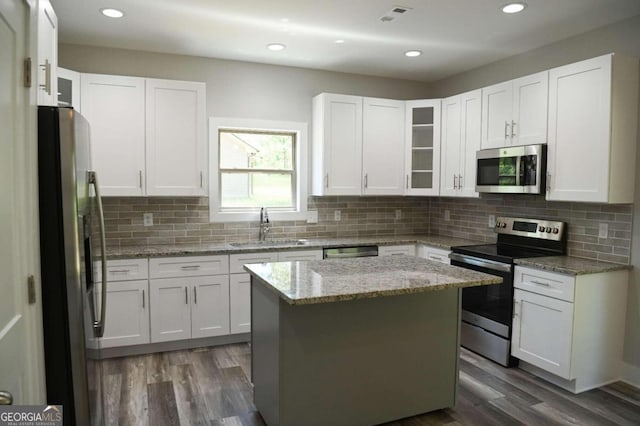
190,267
540,283
120,271
142,298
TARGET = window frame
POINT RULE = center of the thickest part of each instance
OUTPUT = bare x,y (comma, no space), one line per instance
300,164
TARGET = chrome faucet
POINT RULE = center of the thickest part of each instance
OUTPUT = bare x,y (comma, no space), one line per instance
264,224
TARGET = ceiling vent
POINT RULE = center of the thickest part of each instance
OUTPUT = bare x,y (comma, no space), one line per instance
394,13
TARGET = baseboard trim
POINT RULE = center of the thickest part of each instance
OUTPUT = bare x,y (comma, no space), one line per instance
631,374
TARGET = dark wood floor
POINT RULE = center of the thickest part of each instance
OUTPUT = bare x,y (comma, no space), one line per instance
210,386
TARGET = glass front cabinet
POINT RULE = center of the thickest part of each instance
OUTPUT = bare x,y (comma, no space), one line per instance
422,161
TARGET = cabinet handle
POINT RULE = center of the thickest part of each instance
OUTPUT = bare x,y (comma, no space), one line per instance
119,271
47,76
186,296
366,180
513,128
142,298
515,305
407,181
326,180
459,181
201,180
506,129
140,178
190,267
540,283
455,182
548,182
195,295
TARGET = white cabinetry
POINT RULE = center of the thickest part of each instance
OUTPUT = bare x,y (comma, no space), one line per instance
47,61
69,88
407,249
127,315
114,105
515,112
432,253
193,302
569,329
593,113
422,151
461,121
299,255
175,138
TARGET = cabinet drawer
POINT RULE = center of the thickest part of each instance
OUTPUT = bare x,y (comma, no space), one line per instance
237,260
393,250
435,254
550,284
123,270
168,267
295,255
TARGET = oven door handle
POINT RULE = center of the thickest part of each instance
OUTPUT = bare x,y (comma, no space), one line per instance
483,263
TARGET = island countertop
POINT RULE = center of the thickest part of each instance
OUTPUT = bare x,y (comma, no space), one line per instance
333,280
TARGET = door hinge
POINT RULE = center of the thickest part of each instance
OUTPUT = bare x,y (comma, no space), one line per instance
31,289
27,72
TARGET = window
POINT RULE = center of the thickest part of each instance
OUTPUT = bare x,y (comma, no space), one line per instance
254,164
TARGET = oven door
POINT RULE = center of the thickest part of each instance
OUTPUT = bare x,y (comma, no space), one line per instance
517,169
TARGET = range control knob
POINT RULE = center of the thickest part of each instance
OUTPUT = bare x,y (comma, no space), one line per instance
556,230
540,228
548,229
503,224
497,224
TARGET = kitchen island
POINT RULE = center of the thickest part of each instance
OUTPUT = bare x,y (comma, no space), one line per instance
355,341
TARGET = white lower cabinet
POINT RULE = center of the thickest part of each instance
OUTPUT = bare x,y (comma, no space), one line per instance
432,253
299,255
210,306
170,312
408,249
127,317
569,329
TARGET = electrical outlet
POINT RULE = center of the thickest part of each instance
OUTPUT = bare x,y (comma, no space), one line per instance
492,221
603,230
312,216
398,214
337,215
147,218
447,215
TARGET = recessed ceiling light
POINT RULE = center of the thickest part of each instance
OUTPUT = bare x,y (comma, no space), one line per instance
412,53
276,47
112,13
514,7
339,41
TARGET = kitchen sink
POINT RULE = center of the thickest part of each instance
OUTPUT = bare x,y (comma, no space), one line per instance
271,243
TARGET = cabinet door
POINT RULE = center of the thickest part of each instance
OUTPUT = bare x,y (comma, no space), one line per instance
470,129
176,138
383,147
530,100
170,309
240,303
114,105
47,66
422,138
542,332
409,250
497,102
451,146
210,306
69,89
579,127
127,317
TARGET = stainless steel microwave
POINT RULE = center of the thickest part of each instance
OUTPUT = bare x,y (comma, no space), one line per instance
512,170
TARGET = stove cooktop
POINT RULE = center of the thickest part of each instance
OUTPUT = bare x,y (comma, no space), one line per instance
501,253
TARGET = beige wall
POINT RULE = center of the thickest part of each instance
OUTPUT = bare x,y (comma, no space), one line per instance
622,37
240,89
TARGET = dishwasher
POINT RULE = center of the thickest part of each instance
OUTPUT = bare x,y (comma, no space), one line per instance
348,252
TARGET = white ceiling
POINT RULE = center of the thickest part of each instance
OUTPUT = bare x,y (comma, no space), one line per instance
454,35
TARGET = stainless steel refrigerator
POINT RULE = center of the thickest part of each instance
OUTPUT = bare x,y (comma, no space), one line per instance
71,239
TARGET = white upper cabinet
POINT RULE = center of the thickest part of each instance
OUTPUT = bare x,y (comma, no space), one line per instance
114,106
515,112
176,138
383,147
337,144
593,113
47,61
461,121
69,88
422,151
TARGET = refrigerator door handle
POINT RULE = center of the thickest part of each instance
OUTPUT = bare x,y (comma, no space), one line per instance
98,326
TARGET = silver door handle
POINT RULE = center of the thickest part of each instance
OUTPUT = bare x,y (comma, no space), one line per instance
190,267
459,181
366,180
407,181
140,178
506,128
201,180
513,128
540,283
6,398
326,180
548,181
47,76
186,296
98,326
143,298
515,305
455,183
120,271
484,263
195,295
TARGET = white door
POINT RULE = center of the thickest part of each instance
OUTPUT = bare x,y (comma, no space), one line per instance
530,98
170,309
343,144
579,131
497,101
240,303
383,146
451,146
21,367
114,105
542,332
47,54
470,127
176,138
127,319
210,306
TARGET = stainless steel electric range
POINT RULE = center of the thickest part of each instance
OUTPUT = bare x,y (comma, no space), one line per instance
487,311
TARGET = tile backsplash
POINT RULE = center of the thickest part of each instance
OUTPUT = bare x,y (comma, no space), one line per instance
185,220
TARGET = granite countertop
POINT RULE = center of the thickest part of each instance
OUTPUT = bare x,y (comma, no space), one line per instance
570,265
128,252
333,280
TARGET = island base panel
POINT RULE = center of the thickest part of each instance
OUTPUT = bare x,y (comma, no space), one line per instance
356,362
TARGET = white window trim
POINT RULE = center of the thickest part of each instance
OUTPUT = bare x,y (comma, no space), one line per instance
302,159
